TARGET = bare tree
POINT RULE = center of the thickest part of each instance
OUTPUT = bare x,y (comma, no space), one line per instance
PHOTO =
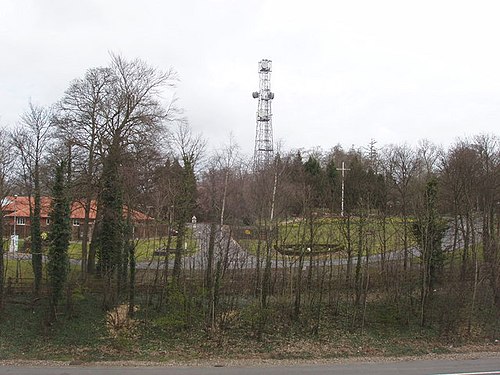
80,123
32,139
133,114
5,182
459,172
132,109
488,149
220,205
429,154
190,148
401,166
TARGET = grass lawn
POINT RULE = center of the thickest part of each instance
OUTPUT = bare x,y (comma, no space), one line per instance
374,234
15,268
23,269
144,247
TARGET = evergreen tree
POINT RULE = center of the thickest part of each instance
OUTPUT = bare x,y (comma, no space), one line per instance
429,230
332,176
315,182
185,208
110,251
58,262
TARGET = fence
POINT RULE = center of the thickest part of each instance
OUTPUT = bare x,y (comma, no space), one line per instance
141,230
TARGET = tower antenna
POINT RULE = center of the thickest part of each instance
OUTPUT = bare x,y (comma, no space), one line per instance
263,152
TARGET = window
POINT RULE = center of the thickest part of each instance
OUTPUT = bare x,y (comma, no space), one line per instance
47,221
76,222
20,220
5,202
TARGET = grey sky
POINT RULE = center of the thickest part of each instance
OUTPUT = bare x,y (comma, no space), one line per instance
343,71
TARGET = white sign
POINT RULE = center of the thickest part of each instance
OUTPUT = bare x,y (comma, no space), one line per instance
14,243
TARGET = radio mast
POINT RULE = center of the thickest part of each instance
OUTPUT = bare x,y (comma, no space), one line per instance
263,152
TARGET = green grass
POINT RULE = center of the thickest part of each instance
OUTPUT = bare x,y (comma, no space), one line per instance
334,231
144,247
15,268
23,269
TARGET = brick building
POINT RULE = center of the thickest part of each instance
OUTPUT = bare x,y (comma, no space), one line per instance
17,218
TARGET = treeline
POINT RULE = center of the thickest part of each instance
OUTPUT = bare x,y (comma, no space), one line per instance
415,228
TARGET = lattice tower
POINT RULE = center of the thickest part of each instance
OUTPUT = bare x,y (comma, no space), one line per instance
263,152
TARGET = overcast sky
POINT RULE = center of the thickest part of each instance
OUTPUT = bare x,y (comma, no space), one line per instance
343,71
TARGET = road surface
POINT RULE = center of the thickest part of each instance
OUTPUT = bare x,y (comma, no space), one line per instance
238,258
488,366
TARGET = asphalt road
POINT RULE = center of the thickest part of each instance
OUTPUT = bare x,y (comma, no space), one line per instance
239,258
489,366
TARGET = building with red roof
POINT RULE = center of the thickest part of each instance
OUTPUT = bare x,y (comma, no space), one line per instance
17,218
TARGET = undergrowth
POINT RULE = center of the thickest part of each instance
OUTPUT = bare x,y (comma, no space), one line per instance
85,332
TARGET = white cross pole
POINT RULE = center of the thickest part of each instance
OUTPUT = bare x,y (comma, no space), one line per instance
343,169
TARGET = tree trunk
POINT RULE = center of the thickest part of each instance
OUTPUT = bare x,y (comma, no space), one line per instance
91,269
266,280
298,288
2,266
349,251
181,234
358,279
36,238
209,276
131,288
85,235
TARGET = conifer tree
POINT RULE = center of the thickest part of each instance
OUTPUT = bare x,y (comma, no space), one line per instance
58,262
111,240
429,230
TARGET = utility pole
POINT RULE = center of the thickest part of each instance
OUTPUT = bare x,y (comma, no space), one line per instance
343,169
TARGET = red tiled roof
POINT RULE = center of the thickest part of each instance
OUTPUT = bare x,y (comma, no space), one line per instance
78,210
20,207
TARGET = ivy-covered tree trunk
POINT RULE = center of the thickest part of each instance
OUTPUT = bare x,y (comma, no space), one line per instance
5,165
130,250
94,243
1,263
358,280
209,276
85,235
185,208
429,230
58,262
110,251
36,236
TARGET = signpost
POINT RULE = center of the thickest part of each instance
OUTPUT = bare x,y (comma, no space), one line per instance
14,243
14,238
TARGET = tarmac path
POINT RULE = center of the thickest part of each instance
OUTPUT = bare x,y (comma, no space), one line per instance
238,258
486,366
